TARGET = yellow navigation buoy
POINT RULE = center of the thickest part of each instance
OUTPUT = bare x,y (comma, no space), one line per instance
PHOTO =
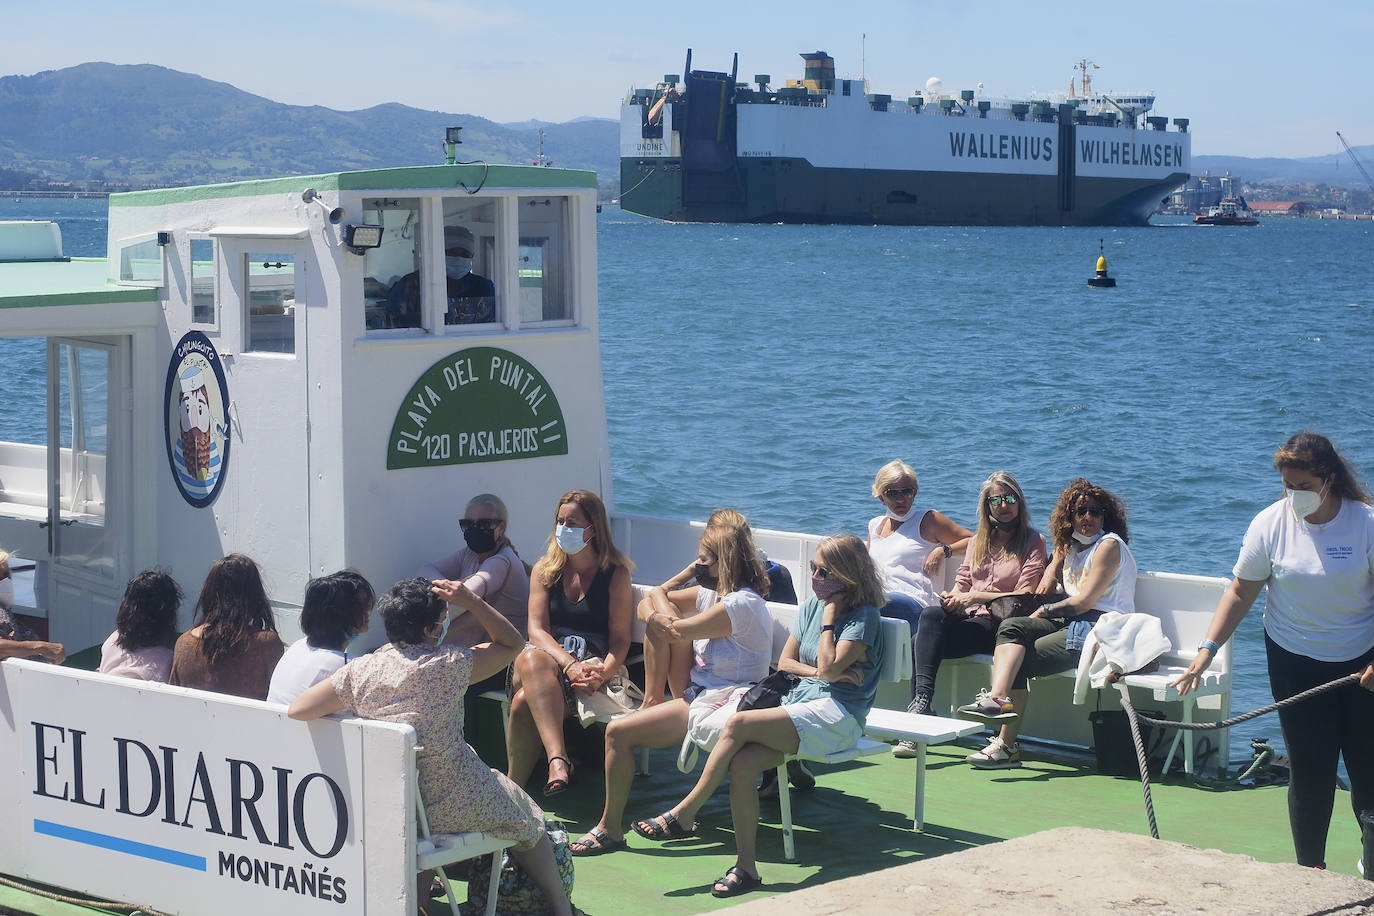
1101,279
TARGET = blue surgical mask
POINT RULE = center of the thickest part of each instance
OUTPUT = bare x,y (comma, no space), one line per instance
457,267
444,621
569,539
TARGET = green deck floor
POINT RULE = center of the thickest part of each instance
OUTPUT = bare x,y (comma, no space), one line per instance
858,819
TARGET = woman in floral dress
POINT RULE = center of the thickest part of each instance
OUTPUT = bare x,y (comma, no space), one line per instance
416,681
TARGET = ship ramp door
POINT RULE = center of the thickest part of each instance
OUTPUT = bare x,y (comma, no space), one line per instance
1068,171
710,174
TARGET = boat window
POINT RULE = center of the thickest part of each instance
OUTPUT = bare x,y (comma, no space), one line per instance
270,280
393,287
140,261
202,281
470,270
544,261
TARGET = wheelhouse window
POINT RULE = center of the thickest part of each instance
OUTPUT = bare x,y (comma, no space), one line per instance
470,269
203,281
269,277
544,261
394,290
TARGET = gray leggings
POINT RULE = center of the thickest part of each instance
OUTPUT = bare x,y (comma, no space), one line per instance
1044,640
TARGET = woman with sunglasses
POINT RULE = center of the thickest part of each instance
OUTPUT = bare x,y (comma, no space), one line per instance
837,650
489,567
580,611
1005,556
1314,551
908,544
1097,571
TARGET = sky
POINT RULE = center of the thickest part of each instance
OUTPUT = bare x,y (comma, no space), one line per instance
1255,77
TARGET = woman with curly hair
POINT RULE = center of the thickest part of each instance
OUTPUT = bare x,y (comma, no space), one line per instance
1097,572
1314,551
234,647
145,628
837,650
581,609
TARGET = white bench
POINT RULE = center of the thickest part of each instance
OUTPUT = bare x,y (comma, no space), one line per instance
1184,606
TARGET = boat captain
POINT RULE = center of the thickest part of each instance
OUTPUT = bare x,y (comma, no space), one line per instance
471,296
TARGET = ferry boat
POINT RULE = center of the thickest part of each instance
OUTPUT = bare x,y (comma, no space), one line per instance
238,374
1232,211
824,149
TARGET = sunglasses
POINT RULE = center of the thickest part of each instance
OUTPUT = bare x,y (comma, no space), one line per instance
1095,511
820,572
1008,500
481,524
899,492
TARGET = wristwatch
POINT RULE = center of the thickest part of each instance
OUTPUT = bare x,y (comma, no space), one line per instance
948,551
827,626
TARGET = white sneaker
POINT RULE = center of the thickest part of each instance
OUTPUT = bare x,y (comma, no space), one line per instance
905,750
996,756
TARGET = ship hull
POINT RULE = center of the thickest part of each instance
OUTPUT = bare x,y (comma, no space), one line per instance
794,191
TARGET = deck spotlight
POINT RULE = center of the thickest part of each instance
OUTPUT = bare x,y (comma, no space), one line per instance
358,239
164,239
335,215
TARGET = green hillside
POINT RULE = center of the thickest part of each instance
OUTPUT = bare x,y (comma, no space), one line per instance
148,125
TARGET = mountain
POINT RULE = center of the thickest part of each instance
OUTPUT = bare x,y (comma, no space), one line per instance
1334,169
149,125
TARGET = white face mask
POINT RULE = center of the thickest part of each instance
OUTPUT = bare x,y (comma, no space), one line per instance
1305,502
569,539
6,593
457,267
901,518
1085,539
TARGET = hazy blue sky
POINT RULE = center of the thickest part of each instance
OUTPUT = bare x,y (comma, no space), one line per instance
1256,77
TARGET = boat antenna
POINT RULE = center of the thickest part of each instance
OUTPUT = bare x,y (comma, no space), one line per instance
863,56
687,68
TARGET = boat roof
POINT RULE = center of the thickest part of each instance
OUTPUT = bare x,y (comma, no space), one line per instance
79,281
471,176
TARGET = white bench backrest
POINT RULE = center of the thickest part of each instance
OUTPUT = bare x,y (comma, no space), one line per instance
1184,606
896,636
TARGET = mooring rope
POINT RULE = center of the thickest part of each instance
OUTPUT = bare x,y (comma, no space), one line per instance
1135,719
132,909
640,182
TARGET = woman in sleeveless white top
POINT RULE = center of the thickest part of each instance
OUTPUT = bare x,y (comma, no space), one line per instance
909,545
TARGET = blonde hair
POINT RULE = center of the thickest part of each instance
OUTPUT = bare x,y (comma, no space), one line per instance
891,473
554,559
848,560
4,556
727,518
737,559
1020,537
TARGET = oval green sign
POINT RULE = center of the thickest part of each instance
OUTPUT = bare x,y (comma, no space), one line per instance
479,404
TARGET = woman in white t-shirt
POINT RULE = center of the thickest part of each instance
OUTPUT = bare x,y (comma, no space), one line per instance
725,621
1097,571
336,609
1314,549
909,545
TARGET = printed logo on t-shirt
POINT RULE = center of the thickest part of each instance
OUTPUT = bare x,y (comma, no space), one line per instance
1340,552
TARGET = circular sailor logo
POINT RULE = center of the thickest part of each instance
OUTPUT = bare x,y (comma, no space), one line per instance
196,419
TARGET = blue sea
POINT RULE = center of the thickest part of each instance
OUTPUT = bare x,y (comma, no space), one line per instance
775,368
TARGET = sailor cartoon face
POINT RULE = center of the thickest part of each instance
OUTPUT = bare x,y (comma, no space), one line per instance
195,410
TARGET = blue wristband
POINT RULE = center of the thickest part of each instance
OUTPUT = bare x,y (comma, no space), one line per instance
1210,645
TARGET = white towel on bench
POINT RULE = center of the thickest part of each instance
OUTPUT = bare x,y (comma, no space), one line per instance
1118,643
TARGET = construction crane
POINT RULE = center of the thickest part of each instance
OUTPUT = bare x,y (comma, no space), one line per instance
1356,159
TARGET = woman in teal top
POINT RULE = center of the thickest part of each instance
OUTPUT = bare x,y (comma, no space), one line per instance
836,648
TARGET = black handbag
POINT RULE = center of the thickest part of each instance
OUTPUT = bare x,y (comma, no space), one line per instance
768,692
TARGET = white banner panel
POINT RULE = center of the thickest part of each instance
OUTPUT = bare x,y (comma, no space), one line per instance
193,802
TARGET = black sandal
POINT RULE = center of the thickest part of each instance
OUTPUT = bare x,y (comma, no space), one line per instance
558,786
736,881
596,842
670,829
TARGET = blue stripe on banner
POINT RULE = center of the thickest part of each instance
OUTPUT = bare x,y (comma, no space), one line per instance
119,844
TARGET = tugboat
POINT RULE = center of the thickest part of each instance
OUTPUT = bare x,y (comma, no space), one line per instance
1231,211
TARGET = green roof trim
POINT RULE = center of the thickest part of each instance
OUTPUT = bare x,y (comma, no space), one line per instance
429,177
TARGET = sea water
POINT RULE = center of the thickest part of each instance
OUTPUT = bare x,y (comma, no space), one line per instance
775,368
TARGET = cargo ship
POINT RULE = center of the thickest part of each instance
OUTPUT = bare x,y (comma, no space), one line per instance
825,150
